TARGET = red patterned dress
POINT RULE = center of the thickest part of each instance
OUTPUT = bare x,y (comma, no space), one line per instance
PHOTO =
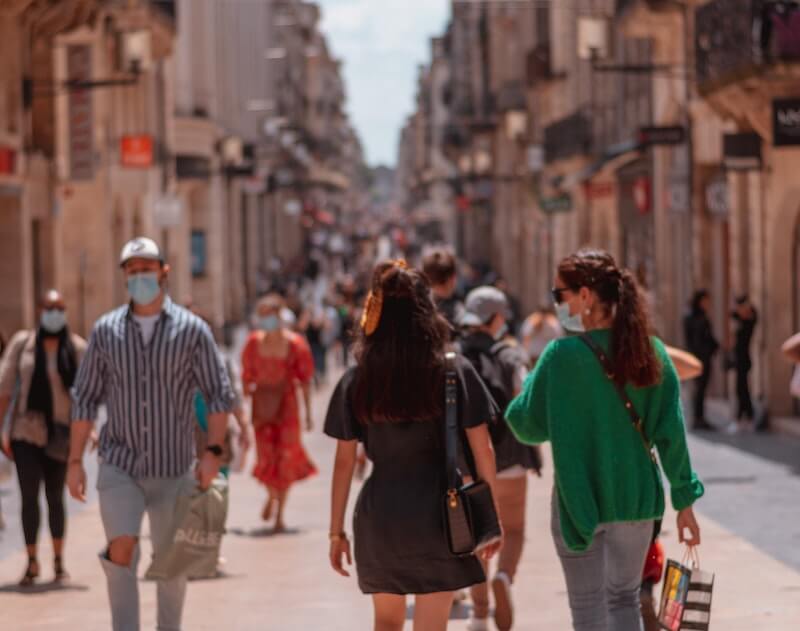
282,460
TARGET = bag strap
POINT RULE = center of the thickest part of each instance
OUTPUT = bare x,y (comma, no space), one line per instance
451,423
608,369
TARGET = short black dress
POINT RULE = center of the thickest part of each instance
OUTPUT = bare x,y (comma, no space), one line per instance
399,531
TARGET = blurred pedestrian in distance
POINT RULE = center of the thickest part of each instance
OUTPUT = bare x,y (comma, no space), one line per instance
393,401
700,341
275,363
37,371
608,493
502,365
439,265
538,330
745,318
145,361
242,429
514,307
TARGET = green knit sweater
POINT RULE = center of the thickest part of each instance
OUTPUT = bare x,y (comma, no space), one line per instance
603,472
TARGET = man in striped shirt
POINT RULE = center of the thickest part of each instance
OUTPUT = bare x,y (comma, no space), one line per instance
145,361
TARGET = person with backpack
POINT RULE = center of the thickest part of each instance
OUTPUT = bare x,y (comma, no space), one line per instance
502,365
606,398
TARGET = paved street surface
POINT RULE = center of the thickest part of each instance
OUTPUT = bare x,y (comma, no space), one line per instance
751,531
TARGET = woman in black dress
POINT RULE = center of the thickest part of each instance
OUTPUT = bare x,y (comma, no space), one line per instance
393,402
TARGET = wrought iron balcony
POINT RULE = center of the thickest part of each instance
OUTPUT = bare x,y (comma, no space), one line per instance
736,39
570,136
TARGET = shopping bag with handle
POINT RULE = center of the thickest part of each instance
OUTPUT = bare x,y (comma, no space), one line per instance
686,595
193,548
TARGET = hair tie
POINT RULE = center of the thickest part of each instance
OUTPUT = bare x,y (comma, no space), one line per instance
371,316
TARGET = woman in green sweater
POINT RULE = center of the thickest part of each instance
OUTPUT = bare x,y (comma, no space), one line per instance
608,490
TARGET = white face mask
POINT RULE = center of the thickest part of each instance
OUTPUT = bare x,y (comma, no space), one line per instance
572,323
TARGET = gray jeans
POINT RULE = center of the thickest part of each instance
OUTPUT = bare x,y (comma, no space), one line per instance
603,582
123,502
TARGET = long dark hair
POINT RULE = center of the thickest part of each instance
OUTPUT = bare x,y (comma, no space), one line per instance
632,352
400,372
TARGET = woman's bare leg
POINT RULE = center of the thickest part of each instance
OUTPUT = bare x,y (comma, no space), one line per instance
390,612
266,513
432,611
280,498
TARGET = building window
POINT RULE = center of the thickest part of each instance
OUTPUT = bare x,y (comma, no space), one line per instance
198,253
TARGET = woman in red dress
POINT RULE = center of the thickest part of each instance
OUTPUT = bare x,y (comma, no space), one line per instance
275,361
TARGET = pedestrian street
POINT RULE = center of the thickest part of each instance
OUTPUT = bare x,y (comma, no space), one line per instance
749,515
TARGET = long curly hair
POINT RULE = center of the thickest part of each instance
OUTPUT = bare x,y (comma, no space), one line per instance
632,353
401,359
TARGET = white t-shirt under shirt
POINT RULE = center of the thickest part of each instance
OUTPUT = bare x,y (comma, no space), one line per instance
147,324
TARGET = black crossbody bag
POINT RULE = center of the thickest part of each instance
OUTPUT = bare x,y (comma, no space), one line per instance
608,369
471,520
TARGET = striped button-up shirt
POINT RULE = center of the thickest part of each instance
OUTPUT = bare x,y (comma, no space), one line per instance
149,389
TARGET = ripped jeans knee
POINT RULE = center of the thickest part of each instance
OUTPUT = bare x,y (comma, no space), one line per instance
121,551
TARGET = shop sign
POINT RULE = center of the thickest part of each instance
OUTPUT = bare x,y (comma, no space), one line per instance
742,151
678,194
786,122
717,200
535,158
199,253
672,135
641,194
80,114
598,190
8,161
167,211
556,204
136,152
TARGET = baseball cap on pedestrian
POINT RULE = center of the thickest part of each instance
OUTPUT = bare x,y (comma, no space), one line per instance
482,305
140,248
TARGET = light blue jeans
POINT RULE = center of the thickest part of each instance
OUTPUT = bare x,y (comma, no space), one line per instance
603,582
123,502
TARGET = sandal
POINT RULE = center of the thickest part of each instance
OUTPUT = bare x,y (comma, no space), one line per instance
61,573
31,573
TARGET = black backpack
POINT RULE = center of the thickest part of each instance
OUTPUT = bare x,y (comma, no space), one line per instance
487,365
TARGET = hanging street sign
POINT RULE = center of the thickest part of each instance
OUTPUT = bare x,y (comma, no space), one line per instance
672,135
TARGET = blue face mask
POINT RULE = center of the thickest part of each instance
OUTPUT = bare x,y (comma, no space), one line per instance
269,323
572,323
144,288
53,320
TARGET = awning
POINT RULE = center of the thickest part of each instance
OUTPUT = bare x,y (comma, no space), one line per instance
612,158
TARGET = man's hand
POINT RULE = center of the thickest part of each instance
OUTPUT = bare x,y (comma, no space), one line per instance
207,470
76,480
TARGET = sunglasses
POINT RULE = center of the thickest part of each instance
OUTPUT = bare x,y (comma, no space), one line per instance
556,293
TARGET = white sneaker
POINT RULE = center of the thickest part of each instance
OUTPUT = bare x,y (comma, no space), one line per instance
503,603
478,624
731,428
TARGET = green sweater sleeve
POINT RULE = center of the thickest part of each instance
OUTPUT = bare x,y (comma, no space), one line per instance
669,437
527,413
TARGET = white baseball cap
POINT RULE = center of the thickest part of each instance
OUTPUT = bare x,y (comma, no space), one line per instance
140,248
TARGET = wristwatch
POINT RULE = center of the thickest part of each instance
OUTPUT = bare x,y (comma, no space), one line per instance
215,449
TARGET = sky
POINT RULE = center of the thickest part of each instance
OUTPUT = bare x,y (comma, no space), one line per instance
381,43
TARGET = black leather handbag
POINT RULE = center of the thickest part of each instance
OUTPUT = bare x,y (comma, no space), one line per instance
471,520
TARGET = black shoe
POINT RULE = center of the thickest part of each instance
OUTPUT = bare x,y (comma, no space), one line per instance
31,573
60,573
703,425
